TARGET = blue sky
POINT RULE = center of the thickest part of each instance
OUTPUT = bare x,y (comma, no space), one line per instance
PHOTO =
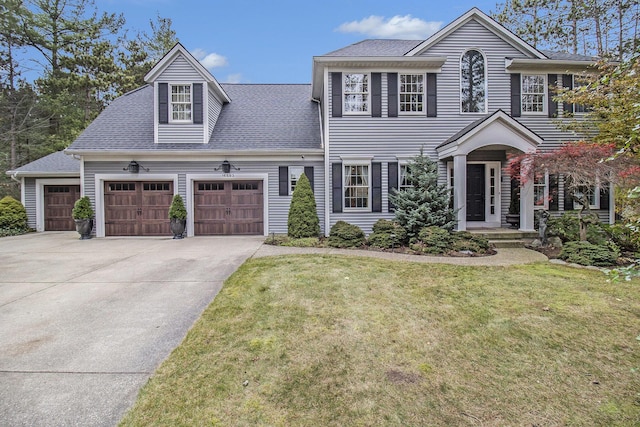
273,41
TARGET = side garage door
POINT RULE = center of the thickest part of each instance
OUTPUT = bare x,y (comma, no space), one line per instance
58,204
137,208
228,207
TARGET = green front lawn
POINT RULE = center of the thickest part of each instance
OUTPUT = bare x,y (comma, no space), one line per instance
342,341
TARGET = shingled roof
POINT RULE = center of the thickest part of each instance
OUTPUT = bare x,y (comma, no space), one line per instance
259,117
54,164
377,47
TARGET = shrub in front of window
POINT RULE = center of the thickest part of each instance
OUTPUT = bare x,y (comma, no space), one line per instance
345,235
585,253
567,228
426,202
12,214
303,217
387,234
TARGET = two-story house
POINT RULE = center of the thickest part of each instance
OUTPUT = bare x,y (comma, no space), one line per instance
468,97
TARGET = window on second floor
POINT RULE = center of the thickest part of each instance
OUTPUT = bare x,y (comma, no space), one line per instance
533,93
411,93
356,93
180,103
578,82
473,82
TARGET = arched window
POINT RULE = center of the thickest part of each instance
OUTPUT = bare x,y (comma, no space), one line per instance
473,82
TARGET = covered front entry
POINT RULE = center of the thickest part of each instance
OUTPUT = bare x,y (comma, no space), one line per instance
483,194
137,208
58,204
228,208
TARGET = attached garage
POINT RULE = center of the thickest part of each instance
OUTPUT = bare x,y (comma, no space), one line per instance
137,208
228,208
58,204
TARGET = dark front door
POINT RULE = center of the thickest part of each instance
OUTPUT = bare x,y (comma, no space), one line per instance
475,192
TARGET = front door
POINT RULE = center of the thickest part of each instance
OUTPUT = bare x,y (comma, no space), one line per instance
476,192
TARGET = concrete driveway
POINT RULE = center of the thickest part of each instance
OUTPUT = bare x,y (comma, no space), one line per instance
83,324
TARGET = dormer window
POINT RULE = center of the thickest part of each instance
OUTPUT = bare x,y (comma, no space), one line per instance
180,103
473,82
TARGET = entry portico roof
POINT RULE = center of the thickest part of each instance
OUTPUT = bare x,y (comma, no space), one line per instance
498,128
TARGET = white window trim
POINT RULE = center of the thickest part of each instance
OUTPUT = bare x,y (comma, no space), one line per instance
368,103
424,94
545,94
545,205
400,165
289,177
596,199
347,162
573,81
171,119
486,83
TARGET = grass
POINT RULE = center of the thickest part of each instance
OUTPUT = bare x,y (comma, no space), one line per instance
331,341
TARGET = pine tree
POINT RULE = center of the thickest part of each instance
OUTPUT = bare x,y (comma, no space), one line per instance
303,217
426,203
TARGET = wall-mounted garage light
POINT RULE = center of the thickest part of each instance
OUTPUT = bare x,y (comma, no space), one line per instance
134,167
226,167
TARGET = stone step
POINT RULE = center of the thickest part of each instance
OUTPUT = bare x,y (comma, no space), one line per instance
503,244
506,235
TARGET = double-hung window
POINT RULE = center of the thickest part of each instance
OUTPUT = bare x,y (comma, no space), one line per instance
403,182
411,93
357,188
541,191
294,175
180,103
533,93
591,193
356,93
580,81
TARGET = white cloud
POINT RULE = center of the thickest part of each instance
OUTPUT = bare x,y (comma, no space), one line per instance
396,27
209,60
233,78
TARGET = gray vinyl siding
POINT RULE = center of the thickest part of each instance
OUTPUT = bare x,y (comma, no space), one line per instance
30,201
389,138
215,107
181,71
278,205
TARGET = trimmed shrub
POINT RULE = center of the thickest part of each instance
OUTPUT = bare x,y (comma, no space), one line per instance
82,208
345,235
567,228
433,240
177,209
585,253
465,241
387,234
303,217
12,214
626,237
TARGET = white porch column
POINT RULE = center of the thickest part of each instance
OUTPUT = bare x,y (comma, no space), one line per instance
526,200
460,190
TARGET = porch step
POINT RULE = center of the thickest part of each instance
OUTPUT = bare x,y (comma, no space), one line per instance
502,244
505,237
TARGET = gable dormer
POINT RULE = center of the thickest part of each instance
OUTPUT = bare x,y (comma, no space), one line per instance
187,99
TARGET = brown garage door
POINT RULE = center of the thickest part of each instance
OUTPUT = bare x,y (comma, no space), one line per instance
58,204
228,207
137,208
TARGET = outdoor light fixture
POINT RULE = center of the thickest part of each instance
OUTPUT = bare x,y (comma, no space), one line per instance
226,167
134,167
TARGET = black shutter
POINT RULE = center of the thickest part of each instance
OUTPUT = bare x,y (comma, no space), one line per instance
376,187
163,103
393,181
554,194
553,88
392,94
336,94
283,180
516,108
376,95
308,171
432,95
567,83
568,200
336,186
197,103
604,197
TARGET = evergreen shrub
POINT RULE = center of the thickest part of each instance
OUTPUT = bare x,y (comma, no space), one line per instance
586,253
303,217
82,208
177,209
345,235
433,240
387,234
12,214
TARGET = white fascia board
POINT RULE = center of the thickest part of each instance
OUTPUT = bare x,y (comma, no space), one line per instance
179,156
485,21
556,66
34,174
